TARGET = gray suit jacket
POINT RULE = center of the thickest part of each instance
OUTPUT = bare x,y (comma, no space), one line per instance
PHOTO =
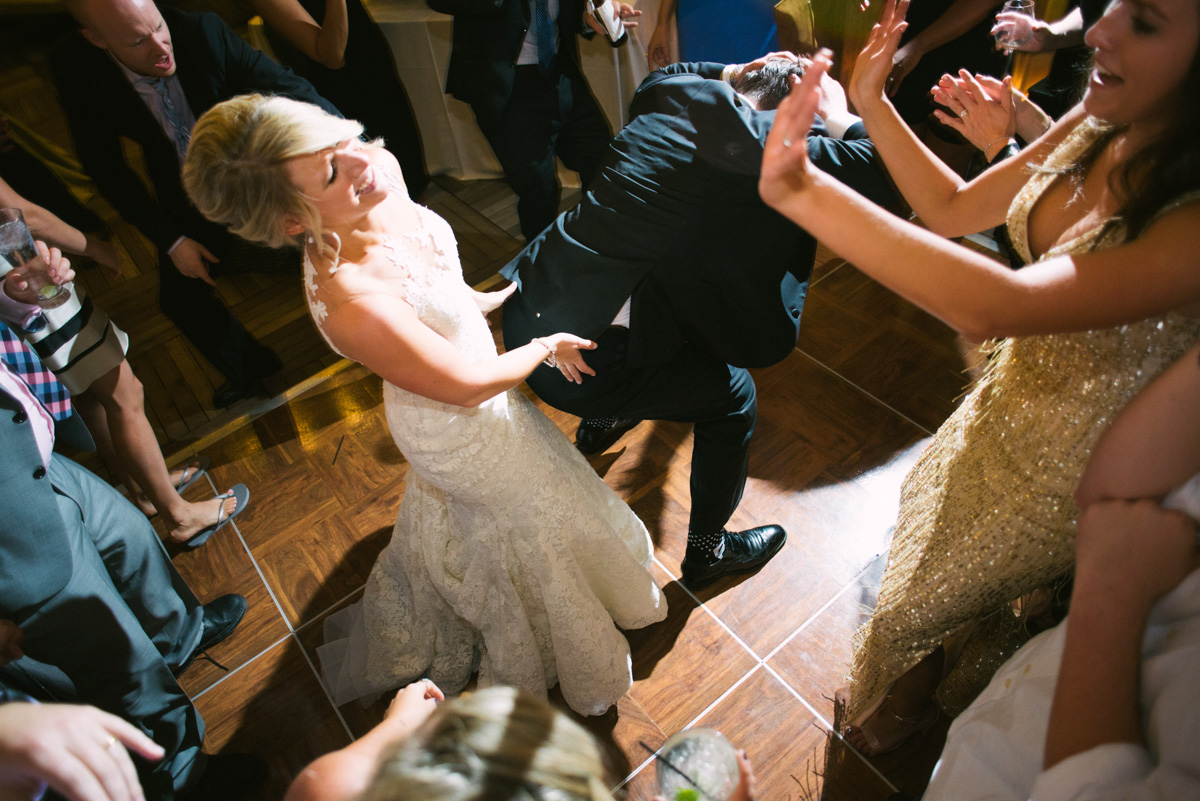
35,557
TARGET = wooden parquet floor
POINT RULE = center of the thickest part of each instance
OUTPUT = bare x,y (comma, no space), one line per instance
758,657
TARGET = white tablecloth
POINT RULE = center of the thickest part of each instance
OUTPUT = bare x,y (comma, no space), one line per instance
420,40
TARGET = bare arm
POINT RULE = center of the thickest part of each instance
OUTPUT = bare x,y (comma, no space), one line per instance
658,51
1154,446
970,292
48,227
345,774
324,43
943,201
385,334
960,17
1128,555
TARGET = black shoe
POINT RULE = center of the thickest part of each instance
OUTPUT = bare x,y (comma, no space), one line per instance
229,393
228,777
221,617
744,551
593,436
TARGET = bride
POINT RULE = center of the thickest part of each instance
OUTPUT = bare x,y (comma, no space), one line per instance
509,557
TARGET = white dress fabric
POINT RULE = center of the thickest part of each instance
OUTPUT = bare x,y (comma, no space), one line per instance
510,556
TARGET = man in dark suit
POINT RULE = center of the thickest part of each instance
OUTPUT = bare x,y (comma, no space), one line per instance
104,616
140,74
516,63
674,265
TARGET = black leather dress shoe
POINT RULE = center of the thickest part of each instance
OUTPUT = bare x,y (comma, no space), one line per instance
221,617
592,436
228,777
744,551
229,393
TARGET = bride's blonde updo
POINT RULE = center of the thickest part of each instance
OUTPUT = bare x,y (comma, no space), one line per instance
498,744
235,169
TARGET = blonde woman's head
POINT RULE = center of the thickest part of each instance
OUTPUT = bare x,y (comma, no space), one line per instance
236,167
498,744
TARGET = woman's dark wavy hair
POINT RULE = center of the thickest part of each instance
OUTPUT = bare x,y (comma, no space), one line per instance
1163,169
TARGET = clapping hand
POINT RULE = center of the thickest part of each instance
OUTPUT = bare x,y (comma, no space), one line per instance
983,118
875,65
785,166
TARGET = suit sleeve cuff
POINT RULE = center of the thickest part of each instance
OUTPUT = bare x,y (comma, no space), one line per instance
837,124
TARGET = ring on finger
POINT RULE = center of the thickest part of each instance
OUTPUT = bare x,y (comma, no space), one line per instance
110,742
962,113
787,142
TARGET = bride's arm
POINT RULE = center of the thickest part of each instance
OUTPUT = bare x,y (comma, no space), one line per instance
385,334
1153,274
945,202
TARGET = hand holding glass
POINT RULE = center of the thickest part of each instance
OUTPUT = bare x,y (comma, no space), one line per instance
1012,34
17,248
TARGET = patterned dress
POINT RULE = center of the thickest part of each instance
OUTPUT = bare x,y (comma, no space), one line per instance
987,513
510,556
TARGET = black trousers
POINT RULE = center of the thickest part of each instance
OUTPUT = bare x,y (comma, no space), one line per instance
693,387
546,116
208,324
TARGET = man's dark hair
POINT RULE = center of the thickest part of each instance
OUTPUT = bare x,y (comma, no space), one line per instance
768,86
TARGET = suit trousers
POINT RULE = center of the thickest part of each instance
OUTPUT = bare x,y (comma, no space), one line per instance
693,387
208,324
112,635
546,116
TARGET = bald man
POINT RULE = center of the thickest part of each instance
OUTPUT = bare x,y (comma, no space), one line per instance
145,74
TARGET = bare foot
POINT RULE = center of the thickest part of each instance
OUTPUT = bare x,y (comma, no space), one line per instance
201,515
179,477
885,730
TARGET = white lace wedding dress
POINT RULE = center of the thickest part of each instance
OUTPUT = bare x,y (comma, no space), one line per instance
510,556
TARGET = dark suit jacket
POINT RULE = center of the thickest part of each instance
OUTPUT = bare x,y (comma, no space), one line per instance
674,220
487,41
35,556
214,64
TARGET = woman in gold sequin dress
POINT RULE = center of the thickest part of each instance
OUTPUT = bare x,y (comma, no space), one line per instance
1103,208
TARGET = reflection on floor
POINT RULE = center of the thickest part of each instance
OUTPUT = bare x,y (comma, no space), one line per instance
758,658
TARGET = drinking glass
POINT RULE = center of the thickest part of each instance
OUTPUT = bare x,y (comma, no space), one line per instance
17,248
1010,37
697,765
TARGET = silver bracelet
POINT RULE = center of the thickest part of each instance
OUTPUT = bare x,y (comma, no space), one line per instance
1003,138
551,360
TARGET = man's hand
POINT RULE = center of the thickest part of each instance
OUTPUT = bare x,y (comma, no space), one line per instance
658,52
17,288
78,751
10,642
189,257
833,96
622,11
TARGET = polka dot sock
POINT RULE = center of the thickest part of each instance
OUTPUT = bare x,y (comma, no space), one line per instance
706,547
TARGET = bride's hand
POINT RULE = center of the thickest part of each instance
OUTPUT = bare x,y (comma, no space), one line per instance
567,357
786,170
412,705
876,62
490,301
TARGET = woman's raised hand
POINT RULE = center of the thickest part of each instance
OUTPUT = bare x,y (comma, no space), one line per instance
984,118
876,62
785,166
565,348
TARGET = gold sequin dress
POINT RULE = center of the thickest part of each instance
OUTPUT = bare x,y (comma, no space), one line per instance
987,513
